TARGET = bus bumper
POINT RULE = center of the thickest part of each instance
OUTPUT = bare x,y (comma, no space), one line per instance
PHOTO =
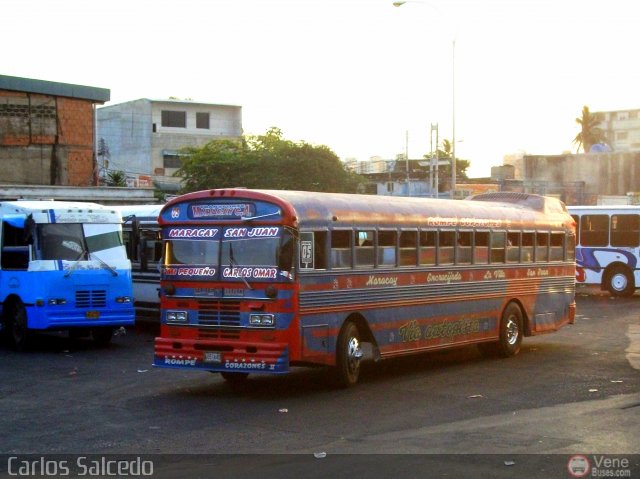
221,356
41,318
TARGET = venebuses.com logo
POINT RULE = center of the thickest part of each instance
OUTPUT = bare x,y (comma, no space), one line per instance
598,466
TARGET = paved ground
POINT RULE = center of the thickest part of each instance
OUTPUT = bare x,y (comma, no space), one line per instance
576,391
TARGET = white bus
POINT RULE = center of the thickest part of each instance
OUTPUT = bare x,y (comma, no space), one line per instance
608,242
144,247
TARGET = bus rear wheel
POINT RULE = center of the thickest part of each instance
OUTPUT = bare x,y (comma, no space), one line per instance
348,355
511,333
620,282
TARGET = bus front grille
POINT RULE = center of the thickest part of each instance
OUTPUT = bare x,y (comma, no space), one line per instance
219,313
218,333
91,298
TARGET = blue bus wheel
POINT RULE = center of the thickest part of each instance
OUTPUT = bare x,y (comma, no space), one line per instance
102,336
19,333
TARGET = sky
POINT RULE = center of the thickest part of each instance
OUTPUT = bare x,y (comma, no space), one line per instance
359,76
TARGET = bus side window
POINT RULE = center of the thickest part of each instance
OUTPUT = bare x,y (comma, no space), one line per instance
15,257
542,246
463,245
365,241
446,244
527,246
557,247
427,247
387,248
341,248
408,248
498,241
481,247
320,249
625,230
594,230
513,247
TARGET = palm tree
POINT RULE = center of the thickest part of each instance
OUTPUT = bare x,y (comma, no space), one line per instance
590,133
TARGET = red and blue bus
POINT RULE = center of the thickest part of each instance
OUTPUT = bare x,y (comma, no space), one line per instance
260,281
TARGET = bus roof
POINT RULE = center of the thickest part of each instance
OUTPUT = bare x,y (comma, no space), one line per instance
50,211
144,213
315,209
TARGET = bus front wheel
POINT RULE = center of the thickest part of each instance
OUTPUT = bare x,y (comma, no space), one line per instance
511,333
102,336
620,282
18,327
348,355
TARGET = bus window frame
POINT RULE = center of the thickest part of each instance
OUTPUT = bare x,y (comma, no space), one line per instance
379,251
439,248
427,231
486,247
492,249
467,249
537,247
530,250
350,248
415,247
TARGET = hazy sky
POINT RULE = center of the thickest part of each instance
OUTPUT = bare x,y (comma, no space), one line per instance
354,75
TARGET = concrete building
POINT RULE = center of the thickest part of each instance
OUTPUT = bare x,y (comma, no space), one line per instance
585,179
143,138
47,132
622,129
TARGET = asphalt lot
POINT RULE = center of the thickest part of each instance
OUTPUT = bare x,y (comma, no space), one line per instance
576,391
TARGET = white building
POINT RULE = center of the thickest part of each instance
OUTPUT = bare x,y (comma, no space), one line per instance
143,138
622,129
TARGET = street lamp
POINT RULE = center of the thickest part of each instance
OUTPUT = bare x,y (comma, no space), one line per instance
453,98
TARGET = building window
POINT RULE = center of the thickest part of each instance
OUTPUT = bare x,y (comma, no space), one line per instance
202,120
622,135
174,119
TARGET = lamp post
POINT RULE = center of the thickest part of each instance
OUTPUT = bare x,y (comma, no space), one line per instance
453,98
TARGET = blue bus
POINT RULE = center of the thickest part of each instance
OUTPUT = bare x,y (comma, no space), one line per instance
63,266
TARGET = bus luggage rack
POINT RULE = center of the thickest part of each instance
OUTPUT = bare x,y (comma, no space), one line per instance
91,298
219,313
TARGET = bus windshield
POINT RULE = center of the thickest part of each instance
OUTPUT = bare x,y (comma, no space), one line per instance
75,241
252,253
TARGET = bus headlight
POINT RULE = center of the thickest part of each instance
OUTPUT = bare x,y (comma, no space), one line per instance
177,317
123,299
262,320
55,301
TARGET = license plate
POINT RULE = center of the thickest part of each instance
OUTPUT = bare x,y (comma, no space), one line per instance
92,314
212,357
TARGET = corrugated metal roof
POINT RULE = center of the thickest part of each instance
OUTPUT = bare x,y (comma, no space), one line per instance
28,85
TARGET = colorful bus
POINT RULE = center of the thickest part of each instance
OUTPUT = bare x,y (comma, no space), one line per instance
141,235
607,251
260,281
63,267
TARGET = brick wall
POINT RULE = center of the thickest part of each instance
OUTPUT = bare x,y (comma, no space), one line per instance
46,140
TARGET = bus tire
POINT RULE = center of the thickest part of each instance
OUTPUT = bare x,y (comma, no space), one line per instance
18,328
348,355
511,333
102,336
620,282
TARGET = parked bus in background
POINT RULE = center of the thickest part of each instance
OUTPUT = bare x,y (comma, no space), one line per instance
144,246
607,254
63,267
259,281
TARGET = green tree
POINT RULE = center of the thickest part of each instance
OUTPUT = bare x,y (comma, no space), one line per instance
116,178
265,161
590,133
